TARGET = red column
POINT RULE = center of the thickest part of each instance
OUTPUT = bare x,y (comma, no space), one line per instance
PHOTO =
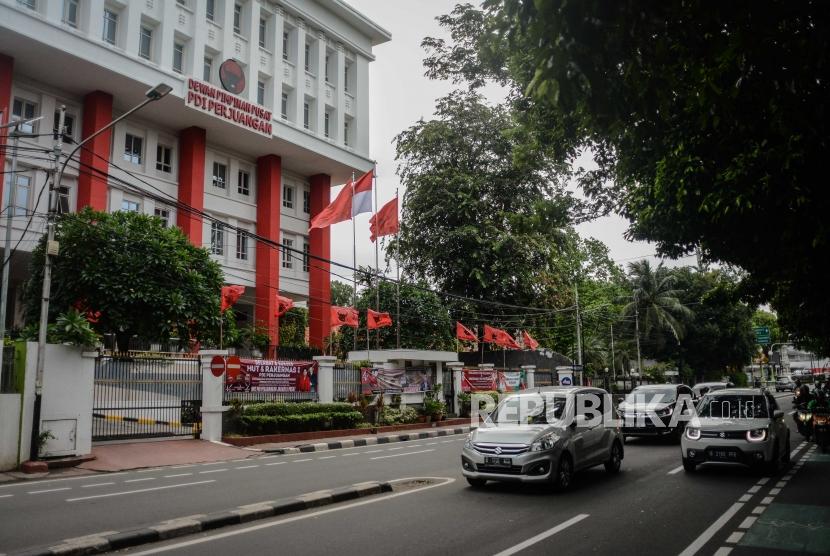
95,156
192,181
268,199
6,71
319,275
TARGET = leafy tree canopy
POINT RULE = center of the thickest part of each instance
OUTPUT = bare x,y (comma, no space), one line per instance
706,121
131,275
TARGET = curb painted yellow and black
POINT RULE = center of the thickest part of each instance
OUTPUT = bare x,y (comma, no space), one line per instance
323,446
139,420
106,542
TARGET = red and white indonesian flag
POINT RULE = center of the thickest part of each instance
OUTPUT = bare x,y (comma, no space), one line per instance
362,199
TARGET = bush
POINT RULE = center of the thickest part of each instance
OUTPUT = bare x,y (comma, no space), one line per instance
276,409
404,416
303,422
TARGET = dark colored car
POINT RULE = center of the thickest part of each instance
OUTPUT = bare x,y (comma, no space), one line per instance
651,410
784,384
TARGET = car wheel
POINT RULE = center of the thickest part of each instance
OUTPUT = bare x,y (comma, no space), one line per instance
476,483
614,459
561,481
774,464
689,466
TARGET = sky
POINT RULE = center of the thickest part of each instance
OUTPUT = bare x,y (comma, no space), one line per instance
400,95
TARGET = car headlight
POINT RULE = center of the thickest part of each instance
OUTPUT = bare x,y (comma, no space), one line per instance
468,442
665,412
692,433
806,416
545,443
756,435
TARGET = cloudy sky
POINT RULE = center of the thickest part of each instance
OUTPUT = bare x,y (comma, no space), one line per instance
400,95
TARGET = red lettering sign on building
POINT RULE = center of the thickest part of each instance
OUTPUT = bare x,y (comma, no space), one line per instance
221,104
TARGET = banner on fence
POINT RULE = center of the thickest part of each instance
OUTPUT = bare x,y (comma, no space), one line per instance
258,375
473,380
374,380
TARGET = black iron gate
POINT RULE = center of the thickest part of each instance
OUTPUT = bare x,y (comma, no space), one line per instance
146,395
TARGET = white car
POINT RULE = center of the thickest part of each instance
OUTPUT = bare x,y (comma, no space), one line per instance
738,426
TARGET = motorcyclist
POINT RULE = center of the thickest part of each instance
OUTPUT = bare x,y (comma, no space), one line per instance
802,394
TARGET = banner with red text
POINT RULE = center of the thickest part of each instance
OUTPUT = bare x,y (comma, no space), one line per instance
259,375
376,380
475,380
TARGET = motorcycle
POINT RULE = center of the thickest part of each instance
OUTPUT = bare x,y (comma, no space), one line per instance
804,420
821,428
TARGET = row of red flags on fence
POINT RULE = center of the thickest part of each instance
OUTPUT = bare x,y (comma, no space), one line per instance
496,336
356,198
348,316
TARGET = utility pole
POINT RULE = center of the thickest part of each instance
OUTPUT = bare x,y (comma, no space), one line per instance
613,362
637,332
578,328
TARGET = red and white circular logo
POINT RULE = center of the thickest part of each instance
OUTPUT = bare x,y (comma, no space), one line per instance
232,76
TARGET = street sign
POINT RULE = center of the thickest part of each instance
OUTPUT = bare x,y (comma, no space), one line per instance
217,365
233,365
566,381
762,335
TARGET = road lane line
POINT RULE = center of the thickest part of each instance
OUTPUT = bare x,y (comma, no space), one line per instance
213,471
676,470
712,530
110,494
767,500
276,463
182,466
723,551
754,489
79,477
326,457
246,467
745,498
403,454
747,523
353,454
774,491
140,480
48,490
762,482
268,524
372,451
299,460
97,485
398,448
735,537
177,475
6,495
542,536
758,510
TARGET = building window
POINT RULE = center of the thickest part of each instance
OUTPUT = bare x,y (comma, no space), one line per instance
284,106
178,57
243,183
163,215
305,256
237,19
263,28
211,10
31,4
242,246
23,187
68,131
306,115
306,201
132,148
70,12
346,78
327,68
130,206
24,110
326,118
288,196
285,45
307,57
207,69
145,42
287,246
346,133
63,199
164,156
260,93
110,26
219,175
217,238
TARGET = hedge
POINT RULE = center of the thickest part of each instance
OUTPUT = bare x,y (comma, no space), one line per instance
304,422
305,408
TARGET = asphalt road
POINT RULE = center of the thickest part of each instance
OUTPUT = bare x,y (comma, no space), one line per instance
651,507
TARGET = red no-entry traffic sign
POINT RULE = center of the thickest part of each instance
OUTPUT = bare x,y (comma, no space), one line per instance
217,365
233,364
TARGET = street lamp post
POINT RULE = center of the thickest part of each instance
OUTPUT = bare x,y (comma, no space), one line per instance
156,93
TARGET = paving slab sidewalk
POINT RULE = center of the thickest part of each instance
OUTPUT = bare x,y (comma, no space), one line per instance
137,455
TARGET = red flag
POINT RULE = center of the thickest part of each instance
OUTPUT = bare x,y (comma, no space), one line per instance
528,341
283,305
343,316
464,333
507,341
385,222
499,337
338,211
362,200
230,294
377,320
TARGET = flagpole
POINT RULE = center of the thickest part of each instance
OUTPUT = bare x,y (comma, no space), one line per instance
377,240
398,279
481,344
354,260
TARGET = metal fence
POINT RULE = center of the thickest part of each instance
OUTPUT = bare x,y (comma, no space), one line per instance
146,395
543,378
7,385
346,380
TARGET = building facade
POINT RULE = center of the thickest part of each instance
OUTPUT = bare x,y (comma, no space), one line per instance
269,110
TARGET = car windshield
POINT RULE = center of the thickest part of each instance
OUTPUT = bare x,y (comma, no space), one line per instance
529,410
650,395
733,407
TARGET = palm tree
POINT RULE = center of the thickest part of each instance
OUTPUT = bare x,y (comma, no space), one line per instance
656,299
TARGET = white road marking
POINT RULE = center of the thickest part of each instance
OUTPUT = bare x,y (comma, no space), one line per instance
414,445
139,480
276,463
767,500
151,470
138,491
403,454
238,460
352,454
398,448
372,451
747,523
735,537
431,443
214,462
270,457
45,481
97,485
542,536
213,471
754,489
723,551
745,498
326,457
763,481
676,470
182,466
6,495
299,460
48,490
177,475
774,491
758,510
247,467
712,530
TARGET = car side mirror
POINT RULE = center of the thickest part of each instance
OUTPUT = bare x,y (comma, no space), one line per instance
778,414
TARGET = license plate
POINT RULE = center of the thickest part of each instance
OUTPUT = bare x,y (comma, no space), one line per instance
723,455
498,462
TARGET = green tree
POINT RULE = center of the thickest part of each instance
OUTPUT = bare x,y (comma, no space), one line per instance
706,122
657,300
292,327
341,294
132,274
